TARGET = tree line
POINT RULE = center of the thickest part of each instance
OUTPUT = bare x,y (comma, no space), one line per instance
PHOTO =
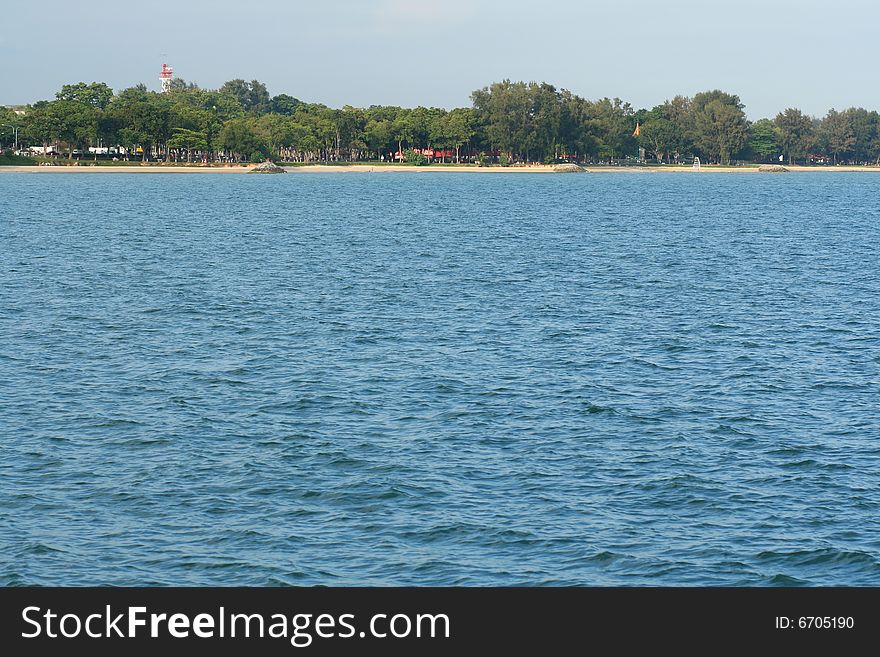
507,122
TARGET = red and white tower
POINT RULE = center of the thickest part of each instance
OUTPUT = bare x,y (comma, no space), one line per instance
165,77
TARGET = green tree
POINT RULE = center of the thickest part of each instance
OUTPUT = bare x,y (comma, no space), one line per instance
762,140
253,96
280,132
69,121
837,134
223,105
795,133
284,104
503,111
459,129
42,124
96,94
238,88
350,125
546,139
579,131
529,120
322,124
718,124
658,137
379,135
109,126
866,132
146,118
179,84
9,122
239,137
678,111
614,122
438,136
404,130
413,157
188,140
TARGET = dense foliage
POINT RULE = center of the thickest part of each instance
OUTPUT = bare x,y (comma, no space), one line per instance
508,122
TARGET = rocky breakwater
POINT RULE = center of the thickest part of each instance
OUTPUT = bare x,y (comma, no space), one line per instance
267,167
568,168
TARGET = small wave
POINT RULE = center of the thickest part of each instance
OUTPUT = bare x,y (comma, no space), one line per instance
154,440
43,549
786,451
786,580
822,556
730,429
804,463
112,423
591,408
656,366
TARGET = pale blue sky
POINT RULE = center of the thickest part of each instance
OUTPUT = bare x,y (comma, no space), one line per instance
773,53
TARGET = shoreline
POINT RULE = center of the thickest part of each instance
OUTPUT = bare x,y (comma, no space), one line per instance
367,168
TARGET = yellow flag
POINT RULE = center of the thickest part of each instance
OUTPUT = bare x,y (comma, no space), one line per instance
638,131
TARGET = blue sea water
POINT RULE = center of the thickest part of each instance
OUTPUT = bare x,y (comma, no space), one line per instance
440,379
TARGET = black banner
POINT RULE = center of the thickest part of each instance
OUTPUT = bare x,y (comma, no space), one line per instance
398,621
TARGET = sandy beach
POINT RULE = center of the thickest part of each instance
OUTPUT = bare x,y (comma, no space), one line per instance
366,168
549,169
123,169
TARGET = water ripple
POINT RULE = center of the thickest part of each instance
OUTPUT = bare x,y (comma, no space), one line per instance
606,380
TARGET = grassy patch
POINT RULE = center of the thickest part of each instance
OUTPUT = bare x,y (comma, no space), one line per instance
9,159
368,163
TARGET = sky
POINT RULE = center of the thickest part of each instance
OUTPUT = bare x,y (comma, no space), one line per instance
810,54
